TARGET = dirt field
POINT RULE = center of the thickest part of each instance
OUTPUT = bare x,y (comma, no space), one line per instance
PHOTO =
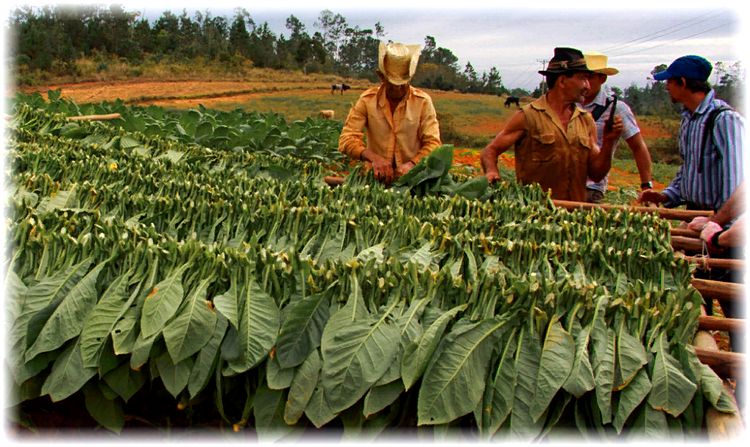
470,114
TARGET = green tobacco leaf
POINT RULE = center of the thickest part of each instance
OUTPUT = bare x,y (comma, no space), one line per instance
301,331
268,411
630,398
278,378
631,356
58,200
162,303
101,322
259,326
107,412
417,355
193,326
504,384
205,361
125,381
453,383
649,425
227,303
317,410
711,384
380,397
68,374
528,354
671,391
50,289
67,321
581,378
302,387
555,365
124,333
355,355
603,360
174,377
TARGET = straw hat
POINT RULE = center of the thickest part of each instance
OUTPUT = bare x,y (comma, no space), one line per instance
398,62
597,62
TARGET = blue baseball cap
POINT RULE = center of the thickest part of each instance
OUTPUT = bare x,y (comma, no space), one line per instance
689,67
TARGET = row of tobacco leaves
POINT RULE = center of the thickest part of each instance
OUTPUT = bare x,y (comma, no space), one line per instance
156,256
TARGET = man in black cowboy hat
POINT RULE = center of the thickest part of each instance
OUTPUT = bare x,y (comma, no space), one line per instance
555,140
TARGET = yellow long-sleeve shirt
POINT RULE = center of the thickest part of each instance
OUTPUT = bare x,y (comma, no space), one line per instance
408,134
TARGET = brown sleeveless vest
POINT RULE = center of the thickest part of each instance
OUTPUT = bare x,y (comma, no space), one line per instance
555,159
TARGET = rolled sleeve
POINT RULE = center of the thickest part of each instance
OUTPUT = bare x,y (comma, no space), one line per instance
351,140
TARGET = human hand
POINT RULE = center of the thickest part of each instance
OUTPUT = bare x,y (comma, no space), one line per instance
492,177
383,170
651,196
403,168
613,133
698,223
709,230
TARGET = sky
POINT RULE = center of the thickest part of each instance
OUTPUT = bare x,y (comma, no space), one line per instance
636,35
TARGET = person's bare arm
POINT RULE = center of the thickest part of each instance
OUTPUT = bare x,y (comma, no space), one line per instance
513,131
641,156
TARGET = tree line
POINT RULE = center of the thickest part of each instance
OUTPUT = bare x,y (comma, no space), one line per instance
52,38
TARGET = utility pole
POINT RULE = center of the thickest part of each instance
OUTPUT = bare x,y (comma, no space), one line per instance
543,84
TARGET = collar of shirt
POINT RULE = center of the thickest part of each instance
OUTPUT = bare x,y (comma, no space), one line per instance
703,107
383,99
600,99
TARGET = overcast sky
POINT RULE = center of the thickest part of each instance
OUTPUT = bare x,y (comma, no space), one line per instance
637,36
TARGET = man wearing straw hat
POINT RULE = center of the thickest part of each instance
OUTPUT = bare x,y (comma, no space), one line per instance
600,105
555,140
401,122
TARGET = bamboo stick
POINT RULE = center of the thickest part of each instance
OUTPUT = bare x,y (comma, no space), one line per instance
110,116
721,324
666,213
719,290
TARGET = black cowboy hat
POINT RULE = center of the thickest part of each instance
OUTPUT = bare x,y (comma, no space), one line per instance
566,60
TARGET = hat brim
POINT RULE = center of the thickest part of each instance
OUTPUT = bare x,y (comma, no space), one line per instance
609,71
662,75
575,70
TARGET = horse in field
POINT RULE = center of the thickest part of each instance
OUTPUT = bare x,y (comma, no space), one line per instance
339,87
512,100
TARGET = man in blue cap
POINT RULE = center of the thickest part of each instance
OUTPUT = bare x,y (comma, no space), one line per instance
710,140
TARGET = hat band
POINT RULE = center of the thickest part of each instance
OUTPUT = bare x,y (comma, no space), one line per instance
566,65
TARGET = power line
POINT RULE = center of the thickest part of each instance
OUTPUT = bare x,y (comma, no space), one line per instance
662,32
676,40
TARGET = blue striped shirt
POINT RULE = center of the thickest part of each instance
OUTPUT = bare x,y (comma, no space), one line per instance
722,159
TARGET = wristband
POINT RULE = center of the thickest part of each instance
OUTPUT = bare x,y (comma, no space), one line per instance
647,185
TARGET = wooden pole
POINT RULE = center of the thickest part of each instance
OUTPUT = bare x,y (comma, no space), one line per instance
111,116
734,325
706,263
719,290
666,213
687,243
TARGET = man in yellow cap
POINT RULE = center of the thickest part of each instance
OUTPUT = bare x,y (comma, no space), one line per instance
401,122
554,139
597,102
